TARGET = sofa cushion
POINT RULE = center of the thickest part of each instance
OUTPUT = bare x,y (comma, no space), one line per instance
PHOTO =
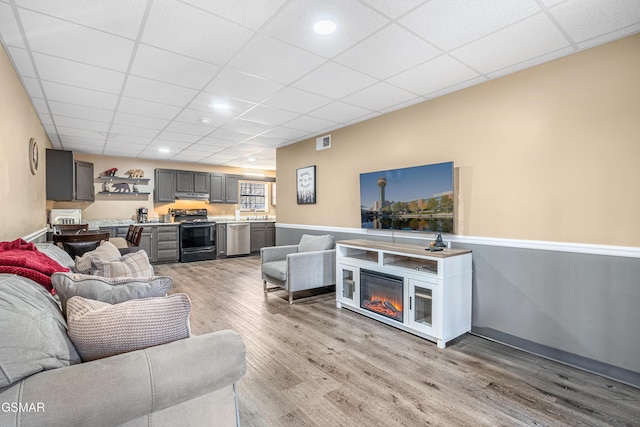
57,254
275,269
99,329
309,243
76,249
135,264
107,251
112,290
33,331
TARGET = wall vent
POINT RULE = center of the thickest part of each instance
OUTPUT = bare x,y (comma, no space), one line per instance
323,142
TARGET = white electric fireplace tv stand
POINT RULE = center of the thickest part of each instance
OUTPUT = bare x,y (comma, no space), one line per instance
422,292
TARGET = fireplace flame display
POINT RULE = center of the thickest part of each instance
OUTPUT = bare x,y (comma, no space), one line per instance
385,306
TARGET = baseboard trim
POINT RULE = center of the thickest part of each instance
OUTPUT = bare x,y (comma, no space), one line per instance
584,248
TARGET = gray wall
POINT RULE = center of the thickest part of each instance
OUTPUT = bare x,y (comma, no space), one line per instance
580,309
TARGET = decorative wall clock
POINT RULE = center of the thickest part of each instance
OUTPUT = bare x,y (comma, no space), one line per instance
33,155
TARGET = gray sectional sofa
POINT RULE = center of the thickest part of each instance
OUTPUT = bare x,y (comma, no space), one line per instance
43,381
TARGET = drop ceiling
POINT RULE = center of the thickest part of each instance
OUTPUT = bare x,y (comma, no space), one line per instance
146,78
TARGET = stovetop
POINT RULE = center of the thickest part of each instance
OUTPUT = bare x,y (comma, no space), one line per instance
190,216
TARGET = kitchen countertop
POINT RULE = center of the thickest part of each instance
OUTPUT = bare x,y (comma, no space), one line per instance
94,224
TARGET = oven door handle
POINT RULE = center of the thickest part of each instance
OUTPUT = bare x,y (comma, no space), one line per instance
197,225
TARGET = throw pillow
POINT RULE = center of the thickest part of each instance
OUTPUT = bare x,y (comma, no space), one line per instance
75,249
135,264
99,329
107,251
57,254
34,332
309,243
112,290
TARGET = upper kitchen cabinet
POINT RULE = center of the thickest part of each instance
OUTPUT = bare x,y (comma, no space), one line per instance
68,179
192,182
165,186
224,188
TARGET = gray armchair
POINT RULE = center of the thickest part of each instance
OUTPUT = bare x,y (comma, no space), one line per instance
307,265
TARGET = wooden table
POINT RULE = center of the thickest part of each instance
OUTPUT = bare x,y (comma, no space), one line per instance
123,245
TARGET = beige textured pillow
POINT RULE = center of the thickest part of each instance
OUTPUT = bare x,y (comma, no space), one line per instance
135,264
112,290
100,330
107,251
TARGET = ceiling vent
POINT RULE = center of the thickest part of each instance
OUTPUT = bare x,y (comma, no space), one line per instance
323,142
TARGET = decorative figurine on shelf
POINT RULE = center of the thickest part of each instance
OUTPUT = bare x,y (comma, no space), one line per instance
121,187
110,172
134,188
105,187
135,173
438,244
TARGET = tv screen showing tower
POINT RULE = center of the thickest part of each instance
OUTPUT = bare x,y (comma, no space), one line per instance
418,198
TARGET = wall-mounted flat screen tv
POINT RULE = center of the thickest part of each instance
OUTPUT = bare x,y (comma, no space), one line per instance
418,198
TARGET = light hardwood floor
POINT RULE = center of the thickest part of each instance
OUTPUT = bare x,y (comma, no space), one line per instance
312,364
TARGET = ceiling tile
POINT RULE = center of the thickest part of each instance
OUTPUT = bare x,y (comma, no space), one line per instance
212,145
140,121
72,41
124,140
287,134
74,135
340,111
247,126
189,116
236,84
378,97
102,15
251,13
189,156
334,80
174,145
586,19
80,96
234,107
450,24
229,135
40,105
149,109
119,129
22,62
178,137
532,37
169,67
268,115
190,128
129,151
71,122
310,124
9,29
77,74
154,91
434,75
266,141
257,58
297,100
388,52
532,62
33,87
353,20
393,9
184,29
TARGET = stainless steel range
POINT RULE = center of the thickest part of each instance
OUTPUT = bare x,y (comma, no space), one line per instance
197,234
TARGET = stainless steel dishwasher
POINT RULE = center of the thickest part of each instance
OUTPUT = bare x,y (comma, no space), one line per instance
238,239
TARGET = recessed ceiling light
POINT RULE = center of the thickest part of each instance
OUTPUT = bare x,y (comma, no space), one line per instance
164,150
252,159
205,120
324,27
220,106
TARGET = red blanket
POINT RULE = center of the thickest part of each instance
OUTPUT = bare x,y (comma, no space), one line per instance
24,259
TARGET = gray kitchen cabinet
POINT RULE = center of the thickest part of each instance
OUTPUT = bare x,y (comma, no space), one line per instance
68,179
160,242
147,242
221,240
165,186
115,230
192,182
167,243
223,188
262,234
